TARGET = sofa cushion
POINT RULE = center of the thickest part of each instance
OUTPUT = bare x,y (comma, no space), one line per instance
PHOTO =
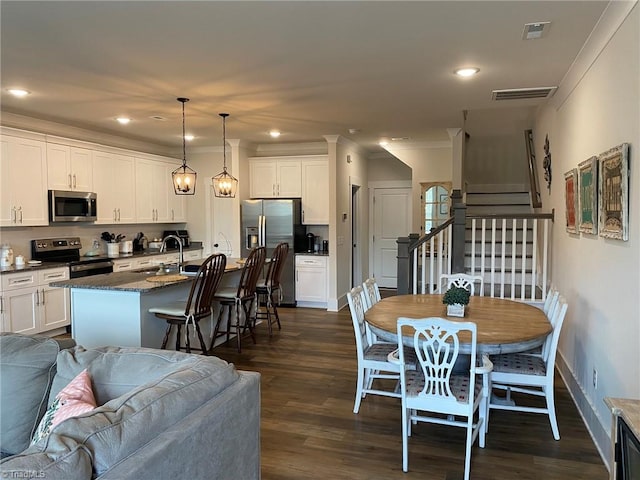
64,459
73,400
159,388
27,367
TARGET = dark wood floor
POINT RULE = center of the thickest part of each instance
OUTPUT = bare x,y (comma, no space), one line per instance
310,432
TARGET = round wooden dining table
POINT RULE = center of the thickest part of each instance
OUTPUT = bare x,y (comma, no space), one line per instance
503,326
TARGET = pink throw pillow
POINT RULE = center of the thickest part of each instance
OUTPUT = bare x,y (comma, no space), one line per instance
73,400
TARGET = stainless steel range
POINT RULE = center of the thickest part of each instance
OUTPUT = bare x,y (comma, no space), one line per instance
67,250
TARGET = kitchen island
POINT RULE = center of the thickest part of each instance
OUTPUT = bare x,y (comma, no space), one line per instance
113,308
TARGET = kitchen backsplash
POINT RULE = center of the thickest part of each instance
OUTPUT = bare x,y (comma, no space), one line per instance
20,238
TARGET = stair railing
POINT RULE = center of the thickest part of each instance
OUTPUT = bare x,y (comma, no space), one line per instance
421,260
510,252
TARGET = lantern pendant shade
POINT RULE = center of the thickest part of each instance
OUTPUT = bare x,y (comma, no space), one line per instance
224,184
183,177
184,180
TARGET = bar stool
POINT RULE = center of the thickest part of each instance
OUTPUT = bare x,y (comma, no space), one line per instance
242,296
269,285
198,305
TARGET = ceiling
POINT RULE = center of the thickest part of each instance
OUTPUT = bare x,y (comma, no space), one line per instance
308,69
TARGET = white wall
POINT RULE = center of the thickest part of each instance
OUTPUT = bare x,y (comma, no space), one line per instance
429,163
342,174
387,168
599,278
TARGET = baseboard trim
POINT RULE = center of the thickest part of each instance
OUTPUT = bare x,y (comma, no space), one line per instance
589,415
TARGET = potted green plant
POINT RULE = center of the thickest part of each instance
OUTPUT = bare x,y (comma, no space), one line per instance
455,299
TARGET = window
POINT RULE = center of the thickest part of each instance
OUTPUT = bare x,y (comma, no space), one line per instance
436,203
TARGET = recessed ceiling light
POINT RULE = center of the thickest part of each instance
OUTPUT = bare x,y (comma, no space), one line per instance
123,120
399,139
188,137
274,133
383,143
353,131
19,92
466,72
158,117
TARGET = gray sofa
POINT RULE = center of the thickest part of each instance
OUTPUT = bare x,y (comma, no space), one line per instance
161,414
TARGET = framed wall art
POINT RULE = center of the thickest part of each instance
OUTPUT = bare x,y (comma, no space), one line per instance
571,199
588,183
613,192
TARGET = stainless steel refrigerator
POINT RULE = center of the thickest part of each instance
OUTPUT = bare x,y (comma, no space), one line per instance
266,223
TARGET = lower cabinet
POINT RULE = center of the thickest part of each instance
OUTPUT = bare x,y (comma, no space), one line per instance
29,305
311,281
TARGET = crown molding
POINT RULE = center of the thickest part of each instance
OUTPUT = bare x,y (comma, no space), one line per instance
48,127
614,15
275,149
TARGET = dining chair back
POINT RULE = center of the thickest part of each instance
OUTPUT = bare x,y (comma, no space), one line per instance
435,387
270,285
197,306
240,298
531,374
372,357
551,301
371,292
462,280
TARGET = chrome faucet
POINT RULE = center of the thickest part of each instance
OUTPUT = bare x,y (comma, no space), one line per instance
164,246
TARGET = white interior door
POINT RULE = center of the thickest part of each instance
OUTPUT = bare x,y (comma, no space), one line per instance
391,219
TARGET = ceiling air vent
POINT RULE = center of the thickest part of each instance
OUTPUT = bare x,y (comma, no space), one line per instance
523,93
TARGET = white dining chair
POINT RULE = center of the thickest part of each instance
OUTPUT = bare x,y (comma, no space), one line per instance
371,292
530,373
551,300
435,388
461,280
372,357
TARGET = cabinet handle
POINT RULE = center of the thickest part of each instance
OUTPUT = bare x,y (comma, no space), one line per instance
57,275
173,214
24,280
74,180
20,210
14,215
278,189
42,297
69,182
302,216
118,214
1,305
273,189
37,297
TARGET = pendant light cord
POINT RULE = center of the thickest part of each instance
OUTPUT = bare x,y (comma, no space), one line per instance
224,141
184,146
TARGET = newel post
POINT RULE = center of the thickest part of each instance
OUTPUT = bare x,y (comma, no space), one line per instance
404,263
458,234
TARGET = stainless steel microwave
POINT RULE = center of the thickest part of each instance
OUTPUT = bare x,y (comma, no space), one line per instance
72,206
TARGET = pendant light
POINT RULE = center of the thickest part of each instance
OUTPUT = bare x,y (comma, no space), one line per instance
224,184
184,178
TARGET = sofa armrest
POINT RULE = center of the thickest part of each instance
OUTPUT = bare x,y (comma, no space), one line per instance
218,441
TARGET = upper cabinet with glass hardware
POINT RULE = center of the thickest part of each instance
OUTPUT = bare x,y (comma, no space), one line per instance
23,181
275,177
69,168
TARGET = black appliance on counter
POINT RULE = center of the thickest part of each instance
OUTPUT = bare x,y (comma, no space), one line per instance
67,250
183,235
311,242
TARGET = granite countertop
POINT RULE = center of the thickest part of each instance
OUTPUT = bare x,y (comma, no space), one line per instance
133,281
145,253
628,409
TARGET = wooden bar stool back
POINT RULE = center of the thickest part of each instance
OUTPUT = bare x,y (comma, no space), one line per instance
241,299
198,305
270,285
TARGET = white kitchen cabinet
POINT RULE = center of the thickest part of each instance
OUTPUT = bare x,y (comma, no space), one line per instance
69,168
153,186
114,184
23,182
311,281
29,305
190,255
273,177
124,265
315,192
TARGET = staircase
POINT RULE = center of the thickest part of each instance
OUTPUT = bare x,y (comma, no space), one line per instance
504,242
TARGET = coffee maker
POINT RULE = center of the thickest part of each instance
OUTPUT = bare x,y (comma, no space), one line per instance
311,242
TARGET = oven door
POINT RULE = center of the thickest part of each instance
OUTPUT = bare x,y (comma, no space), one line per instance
89,269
